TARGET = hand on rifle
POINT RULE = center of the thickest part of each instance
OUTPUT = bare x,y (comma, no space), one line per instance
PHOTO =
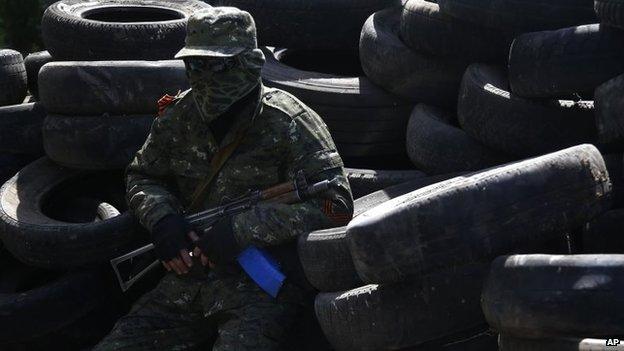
172,236
197,252
217,244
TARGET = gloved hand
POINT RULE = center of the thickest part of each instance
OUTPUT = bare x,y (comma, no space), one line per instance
218,244
171,240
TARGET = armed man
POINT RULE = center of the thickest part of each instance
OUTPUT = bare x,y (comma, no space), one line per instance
225,136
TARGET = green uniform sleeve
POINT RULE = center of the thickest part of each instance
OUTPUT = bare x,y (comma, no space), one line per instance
147,179
311,149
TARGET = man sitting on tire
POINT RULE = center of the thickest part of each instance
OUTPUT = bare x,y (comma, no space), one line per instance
194,305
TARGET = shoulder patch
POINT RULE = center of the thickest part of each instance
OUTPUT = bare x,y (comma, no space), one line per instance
169,100
284,102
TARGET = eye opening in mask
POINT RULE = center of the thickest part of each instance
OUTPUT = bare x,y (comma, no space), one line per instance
212,64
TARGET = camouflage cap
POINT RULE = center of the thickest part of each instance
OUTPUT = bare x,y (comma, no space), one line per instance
219,32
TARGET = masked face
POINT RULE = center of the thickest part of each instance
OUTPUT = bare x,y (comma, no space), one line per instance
219,82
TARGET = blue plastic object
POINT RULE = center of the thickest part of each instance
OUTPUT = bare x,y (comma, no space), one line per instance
262,269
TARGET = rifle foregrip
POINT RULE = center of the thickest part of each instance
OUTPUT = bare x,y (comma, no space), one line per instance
288,198
277,190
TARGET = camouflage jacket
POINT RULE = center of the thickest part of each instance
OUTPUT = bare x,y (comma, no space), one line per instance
285,136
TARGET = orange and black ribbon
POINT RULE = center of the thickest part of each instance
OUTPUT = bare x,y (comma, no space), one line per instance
336,213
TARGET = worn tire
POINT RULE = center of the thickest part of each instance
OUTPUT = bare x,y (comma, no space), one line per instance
366,122
414,76
609,100
367,181
94,142
522,15
565,62
425,28
325,255
112,87
544,296
437,146
505,122
510,343
13,79
320,25
98,30
610,12
479,216
20,129
603,235
42,241
390,317
33,62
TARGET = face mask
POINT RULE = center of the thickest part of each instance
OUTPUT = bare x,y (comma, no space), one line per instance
219,82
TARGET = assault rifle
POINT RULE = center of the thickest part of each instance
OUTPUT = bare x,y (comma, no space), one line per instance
256,262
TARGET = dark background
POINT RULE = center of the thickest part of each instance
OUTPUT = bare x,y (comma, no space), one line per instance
20,24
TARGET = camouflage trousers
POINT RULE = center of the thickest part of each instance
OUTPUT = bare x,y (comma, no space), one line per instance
202,311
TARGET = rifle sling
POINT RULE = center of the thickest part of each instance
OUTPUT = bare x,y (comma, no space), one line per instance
217,162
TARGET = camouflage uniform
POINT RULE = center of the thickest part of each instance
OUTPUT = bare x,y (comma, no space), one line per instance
223,304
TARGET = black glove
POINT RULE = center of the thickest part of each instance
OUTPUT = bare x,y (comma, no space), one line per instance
170,235
218,243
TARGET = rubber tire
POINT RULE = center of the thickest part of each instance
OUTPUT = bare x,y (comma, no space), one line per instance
366,122
367,181
20,129
320,25
544,296
33,62
510,343
414,76
477,217
491,114
610,12
565,62
13,80
69,36
603,234
436,146
390,317
609,120
522,16
40,294
325,255
425,28
38,240
94,142
33,308
112,87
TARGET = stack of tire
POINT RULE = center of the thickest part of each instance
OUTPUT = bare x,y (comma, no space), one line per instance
450,56
538,99
543,302
20,123
408,270
64,216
